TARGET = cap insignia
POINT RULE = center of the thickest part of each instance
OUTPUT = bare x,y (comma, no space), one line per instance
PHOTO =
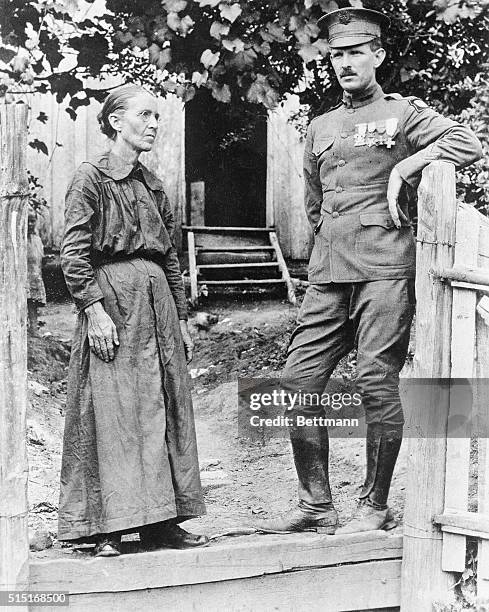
345,18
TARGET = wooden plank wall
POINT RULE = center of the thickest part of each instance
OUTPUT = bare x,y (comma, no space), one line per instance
82,140
285,190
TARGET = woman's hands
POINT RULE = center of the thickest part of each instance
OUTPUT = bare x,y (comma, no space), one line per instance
102,333
103,338
187,340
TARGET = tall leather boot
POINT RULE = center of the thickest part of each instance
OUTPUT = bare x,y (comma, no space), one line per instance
383,444
310,449
315,511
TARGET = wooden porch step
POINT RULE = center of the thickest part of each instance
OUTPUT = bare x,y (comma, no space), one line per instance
248,281
205,228
266,234
271,264
237,249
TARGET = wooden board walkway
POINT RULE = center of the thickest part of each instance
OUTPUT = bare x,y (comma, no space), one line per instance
292,572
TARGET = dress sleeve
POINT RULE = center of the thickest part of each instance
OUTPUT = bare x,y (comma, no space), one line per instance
171,264
81,204
313,192
434,137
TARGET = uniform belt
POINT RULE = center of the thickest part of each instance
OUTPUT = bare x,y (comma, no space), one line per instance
99,260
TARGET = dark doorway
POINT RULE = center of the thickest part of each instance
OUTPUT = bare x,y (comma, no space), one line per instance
226,148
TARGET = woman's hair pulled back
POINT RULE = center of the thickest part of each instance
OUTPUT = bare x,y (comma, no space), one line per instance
117,100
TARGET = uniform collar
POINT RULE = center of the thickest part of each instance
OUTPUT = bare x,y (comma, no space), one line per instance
367,96
118,169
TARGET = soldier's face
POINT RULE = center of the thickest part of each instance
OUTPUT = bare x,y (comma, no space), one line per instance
355,66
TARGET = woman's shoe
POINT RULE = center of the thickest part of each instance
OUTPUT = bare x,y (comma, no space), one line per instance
173,536
168,534
108,545
149,537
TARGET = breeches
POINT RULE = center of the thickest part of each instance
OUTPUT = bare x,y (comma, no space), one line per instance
375,317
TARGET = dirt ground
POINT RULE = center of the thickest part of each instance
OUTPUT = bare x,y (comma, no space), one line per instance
243,480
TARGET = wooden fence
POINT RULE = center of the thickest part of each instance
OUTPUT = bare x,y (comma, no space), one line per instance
302,571
452,343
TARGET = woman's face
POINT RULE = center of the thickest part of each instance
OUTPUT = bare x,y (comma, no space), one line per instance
136,127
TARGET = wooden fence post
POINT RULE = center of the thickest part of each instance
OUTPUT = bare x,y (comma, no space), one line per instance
14,543
423,580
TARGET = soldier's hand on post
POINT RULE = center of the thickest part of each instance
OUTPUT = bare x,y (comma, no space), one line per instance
393,190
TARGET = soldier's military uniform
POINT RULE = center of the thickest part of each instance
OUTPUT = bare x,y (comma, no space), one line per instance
362,268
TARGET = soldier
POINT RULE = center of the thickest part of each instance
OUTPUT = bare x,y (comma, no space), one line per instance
363,159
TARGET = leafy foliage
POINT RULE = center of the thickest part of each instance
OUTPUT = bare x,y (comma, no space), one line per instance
251,51
39,146
36,200
474,180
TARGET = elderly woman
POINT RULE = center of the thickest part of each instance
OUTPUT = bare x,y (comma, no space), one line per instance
129,456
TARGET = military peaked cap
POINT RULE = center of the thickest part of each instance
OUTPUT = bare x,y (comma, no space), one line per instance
353,26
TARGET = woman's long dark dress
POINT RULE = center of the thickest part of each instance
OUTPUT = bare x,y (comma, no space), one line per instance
129,453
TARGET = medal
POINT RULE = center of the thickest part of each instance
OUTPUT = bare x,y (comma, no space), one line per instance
371,128
390,128
381,127
360,131
380,133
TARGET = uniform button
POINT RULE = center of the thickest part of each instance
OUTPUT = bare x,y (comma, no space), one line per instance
344,135
342,162
335,215
339,189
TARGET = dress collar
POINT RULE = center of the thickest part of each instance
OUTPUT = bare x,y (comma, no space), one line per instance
367,96
119,169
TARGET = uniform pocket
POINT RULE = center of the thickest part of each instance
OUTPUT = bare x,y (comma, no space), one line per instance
320,250
322,144
380,244
323,154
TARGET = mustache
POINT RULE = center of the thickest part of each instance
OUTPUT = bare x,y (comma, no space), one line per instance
345,73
